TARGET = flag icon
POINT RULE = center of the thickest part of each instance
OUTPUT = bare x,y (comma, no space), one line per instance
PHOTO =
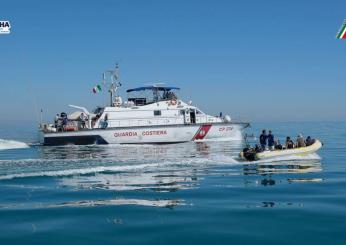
342,32
97,89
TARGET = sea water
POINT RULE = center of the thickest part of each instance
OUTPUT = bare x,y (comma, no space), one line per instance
189,193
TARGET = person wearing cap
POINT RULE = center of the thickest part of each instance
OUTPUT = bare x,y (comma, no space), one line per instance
300,141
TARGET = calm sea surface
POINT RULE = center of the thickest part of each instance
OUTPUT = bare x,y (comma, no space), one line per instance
173,194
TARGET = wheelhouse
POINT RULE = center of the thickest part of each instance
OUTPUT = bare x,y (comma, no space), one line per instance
151,94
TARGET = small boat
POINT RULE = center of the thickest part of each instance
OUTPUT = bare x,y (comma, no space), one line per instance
251,155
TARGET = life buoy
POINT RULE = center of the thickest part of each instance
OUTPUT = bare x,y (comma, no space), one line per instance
173,102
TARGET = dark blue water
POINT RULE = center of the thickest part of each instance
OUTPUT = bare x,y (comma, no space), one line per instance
173,194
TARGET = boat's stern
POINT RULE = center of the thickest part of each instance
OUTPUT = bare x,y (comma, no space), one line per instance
40,134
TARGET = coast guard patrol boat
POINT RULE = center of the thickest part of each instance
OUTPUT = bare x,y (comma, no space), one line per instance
151,115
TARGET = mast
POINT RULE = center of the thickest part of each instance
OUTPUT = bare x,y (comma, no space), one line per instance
111,93
114,82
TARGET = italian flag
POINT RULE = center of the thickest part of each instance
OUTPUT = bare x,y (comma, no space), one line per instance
97,89
342,32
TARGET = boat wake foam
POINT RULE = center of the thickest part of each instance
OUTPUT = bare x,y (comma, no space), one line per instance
12,144
125,166
79,171
106,165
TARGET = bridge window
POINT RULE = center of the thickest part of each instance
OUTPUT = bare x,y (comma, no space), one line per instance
157,113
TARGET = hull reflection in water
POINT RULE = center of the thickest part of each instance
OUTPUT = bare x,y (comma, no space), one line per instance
159,182
277,170
160,169
150,168
146,152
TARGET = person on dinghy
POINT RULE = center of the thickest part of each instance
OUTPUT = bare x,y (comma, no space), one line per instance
263,139
271,141
277,145
289,143
258,148
300,141
309,141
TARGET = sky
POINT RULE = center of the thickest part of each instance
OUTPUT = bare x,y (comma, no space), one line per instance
255,60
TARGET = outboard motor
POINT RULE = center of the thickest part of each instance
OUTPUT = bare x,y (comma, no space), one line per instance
249,153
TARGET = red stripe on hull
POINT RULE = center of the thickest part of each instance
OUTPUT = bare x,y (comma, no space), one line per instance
202,132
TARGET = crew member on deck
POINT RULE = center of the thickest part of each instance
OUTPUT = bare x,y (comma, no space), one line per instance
64,123
270,140
82,118
56,120
263,139
105,122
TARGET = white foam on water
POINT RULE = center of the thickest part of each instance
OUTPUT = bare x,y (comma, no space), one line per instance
118,159
12,144
81,171
122,166
224,160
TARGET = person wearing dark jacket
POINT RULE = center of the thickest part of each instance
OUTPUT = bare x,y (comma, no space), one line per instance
263,139
277,145
270,137
309,141
289,143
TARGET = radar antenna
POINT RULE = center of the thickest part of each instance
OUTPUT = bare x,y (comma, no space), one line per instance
158,84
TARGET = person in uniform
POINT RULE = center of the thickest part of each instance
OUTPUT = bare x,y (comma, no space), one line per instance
263,139
271,141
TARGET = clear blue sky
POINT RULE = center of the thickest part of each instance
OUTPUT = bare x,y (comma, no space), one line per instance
257,60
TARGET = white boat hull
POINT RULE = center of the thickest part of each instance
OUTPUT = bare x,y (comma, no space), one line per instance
295,151
147,135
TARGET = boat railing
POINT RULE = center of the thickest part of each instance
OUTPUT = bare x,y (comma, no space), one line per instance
77,125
